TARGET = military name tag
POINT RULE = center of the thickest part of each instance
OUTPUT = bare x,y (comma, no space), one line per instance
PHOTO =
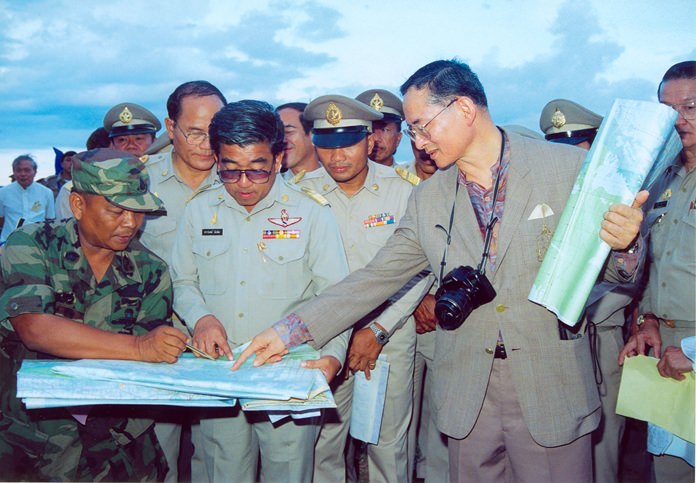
211,231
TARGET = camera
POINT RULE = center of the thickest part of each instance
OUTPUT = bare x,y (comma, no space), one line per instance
462,290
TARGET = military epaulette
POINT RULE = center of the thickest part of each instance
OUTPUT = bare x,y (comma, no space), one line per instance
296,179
314,195
407,175
200,190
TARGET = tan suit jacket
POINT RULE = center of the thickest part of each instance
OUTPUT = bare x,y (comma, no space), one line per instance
553,377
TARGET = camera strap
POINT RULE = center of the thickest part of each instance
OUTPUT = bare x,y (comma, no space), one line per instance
491,222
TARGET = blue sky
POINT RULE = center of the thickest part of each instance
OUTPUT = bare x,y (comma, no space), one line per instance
63,64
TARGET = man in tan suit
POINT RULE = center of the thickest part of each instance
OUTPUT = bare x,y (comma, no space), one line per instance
516,398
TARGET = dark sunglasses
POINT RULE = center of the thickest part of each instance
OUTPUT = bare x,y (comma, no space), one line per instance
256,176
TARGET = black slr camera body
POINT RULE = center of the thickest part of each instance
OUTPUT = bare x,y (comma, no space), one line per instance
463,290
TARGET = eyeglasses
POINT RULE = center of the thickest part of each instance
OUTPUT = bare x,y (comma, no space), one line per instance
420,130
194,138
687,110
256,176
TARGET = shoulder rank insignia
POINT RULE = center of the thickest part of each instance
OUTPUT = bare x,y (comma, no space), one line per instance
296,179
407,175
285,219
200,190
315,196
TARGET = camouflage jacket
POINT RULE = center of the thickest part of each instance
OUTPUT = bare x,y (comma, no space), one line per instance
45,271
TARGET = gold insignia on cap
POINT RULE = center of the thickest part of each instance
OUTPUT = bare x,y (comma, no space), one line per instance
377,103
558,119
126,116
333,114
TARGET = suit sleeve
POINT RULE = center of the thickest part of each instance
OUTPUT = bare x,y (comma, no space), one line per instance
395,264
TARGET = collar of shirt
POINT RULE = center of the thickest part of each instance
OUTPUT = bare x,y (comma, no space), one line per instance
371,184
279,193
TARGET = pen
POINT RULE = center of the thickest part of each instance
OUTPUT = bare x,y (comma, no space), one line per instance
199,352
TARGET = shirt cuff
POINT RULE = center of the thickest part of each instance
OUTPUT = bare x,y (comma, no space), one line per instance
292,331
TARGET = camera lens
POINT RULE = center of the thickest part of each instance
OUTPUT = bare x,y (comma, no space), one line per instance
452,309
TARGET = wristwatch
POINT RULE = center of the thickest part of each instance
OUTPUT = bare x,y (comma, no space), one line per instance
643,317
381,336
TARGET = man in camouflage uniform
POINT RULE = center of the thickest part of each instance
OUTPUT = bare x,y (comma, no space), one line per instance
85,289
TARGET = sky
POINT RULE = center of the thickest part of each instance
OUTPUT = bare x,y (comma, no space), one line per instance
64,63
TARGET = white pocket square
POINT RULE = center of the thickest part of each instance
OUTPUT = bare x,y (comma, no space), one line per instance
540,211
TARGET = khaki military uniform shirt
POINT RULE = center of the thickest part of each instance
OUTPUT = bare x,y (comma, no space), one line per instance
671,218
158,232
251,269
367,219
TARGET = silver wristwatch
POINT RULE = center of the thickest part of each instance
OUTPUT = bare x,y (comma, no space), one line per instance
381,336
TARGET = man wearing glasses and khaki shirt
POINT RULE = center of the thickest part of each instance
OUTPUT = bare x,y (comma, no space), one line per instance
248,251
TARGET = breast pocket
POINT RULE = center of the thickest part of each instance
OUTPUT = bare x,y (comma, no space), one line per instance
378,235
213,264
283,269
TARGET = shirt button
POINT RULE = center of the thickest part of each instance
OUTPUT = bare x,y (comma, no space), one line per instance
489,350
500,308
668,252
675,221
247,219
664,284
240,315
375,187
325,187
14,306
242,283
207,254
280,258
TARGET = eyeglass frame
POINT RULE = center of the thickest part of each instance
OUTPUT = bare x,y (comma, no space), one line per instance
205,135
244,172
680,109
422,128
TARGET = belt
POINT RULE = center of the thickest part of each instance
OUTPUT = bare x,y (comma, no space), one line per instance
500,352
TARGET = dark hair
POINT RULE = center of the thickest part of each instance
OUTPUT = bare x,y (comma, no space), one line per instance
247,122
446,79
68,153
23,157
98,139
199,88
682,70
299,107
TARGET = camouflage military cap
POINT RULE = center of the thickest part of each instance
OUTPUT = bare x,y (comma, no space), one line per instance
568,122
117,176
385,102
339,121
128,118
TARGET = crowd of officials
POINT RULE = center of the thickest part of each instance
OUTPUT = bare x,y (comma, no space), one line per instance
295,224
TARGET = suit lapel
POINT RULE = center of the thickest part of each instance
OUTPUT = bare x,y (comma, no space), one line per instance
465,234
517,194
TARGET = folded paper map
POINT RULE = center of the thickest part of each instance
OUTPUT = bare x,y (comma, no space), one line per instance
634,136
190,381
